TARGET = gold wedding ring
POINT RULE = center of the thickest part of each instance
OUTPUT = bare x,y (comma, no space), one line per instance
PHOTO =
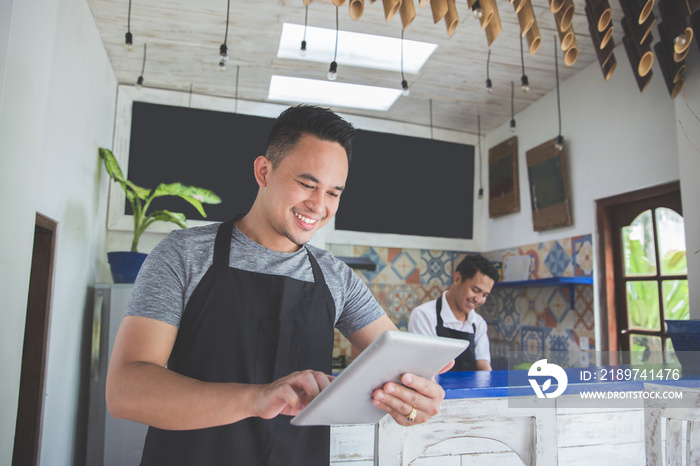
412,416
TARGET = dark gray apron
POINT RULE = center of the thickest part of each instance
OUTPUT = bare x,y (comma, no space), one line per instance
249,327
467,360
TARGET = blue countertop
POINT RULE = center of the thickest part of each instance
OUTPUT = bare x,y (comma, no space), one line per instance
483,384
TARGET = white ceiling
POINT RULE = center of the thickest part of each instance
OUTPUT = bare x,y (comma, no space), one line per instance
183,40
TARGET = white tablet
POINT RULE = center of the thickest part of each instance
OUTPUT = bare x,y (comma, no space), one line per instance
348,399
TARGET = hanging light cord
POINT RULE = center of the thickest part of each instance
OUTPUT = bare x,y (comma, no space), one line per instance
402,78
478,125
431,118
512,100
488,63
228,8
335,54
143,65
306,17
522,58
235,108
128,19
556,73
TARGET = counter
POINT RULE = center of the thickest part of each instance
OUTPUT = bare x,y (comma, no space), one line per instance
478,424
482,384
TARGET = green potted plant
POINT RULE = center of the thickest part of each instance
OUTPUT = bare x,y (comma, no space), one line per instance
126,264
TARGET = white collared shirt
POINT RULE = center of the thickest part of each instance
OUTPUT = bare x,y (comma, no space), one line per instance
423,320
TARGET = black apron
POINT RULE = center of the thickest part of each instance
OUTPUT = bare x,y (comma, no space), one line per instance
249,327
467,360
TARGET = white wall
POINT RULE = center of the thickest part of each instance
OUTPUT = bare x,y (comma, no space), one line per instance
57,107
5,19
616,140
688,132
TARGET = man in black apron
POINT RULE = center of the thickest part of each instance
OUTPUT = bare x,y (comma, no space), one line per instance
251,344
452,315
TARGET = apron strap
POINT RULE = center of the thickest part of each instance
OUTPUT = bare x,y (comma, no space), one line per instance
438,308
318,275
222,245
222,250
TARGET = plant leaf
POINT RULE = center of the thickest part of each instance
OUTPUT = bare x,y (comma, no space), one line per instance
192,194
111,164
178,189
141,193
115,172
167,216
203,195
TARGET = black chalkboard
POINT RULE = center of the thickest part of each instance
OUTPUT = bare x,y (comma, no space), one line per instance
408,185
209,149
397,184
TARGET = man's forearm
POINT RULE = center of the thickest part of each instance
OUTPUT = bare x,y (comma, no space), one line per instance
153,395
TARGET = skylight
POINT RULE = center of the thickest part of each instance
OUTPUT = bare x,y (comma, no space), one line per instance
354,49
331,93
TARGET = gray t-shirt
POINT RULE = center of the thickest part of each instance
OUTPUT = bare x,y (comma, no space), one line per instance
176,265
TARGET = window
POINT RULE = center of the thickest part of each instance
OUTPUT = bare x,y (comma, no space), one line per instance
644,265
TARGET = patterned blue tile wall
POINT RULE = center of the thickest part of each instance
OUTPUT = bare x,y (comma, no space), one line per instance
529,319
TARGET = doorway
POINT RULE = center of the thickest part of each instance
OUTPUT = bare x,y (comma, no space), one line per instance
31,389
643,259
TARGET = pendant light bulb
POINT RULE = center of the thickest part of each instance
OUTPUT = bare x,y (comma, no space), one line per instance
223,57
404,84
333,71
129,39
223,49
139,81
512,107
680,40
489,83
524,83
302,50
559,142
404,88
476,10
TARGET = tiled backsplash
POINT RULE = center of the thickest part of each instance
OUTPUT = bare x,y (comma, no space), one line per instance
534,319
530,319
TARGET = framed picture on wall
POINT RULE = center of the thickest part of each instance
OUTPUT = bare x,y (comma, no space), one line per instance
504,188
549,187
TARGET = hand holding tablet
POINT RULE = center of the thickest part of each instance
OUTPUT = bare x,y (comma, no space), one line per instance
348,399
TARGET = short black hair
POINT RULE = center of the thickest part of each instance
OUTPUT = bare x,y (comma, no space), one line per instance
318,121
477,263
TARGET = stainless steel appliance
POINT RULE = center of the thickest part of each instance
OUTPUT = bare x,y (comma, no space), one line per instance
110,442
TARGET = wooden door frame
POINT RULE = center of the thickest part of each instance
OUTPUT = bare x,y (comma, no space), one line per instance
32,379
606,284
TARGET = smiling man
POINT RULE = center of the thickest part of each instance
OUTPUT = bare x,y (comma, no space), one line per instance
453,315
230,326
